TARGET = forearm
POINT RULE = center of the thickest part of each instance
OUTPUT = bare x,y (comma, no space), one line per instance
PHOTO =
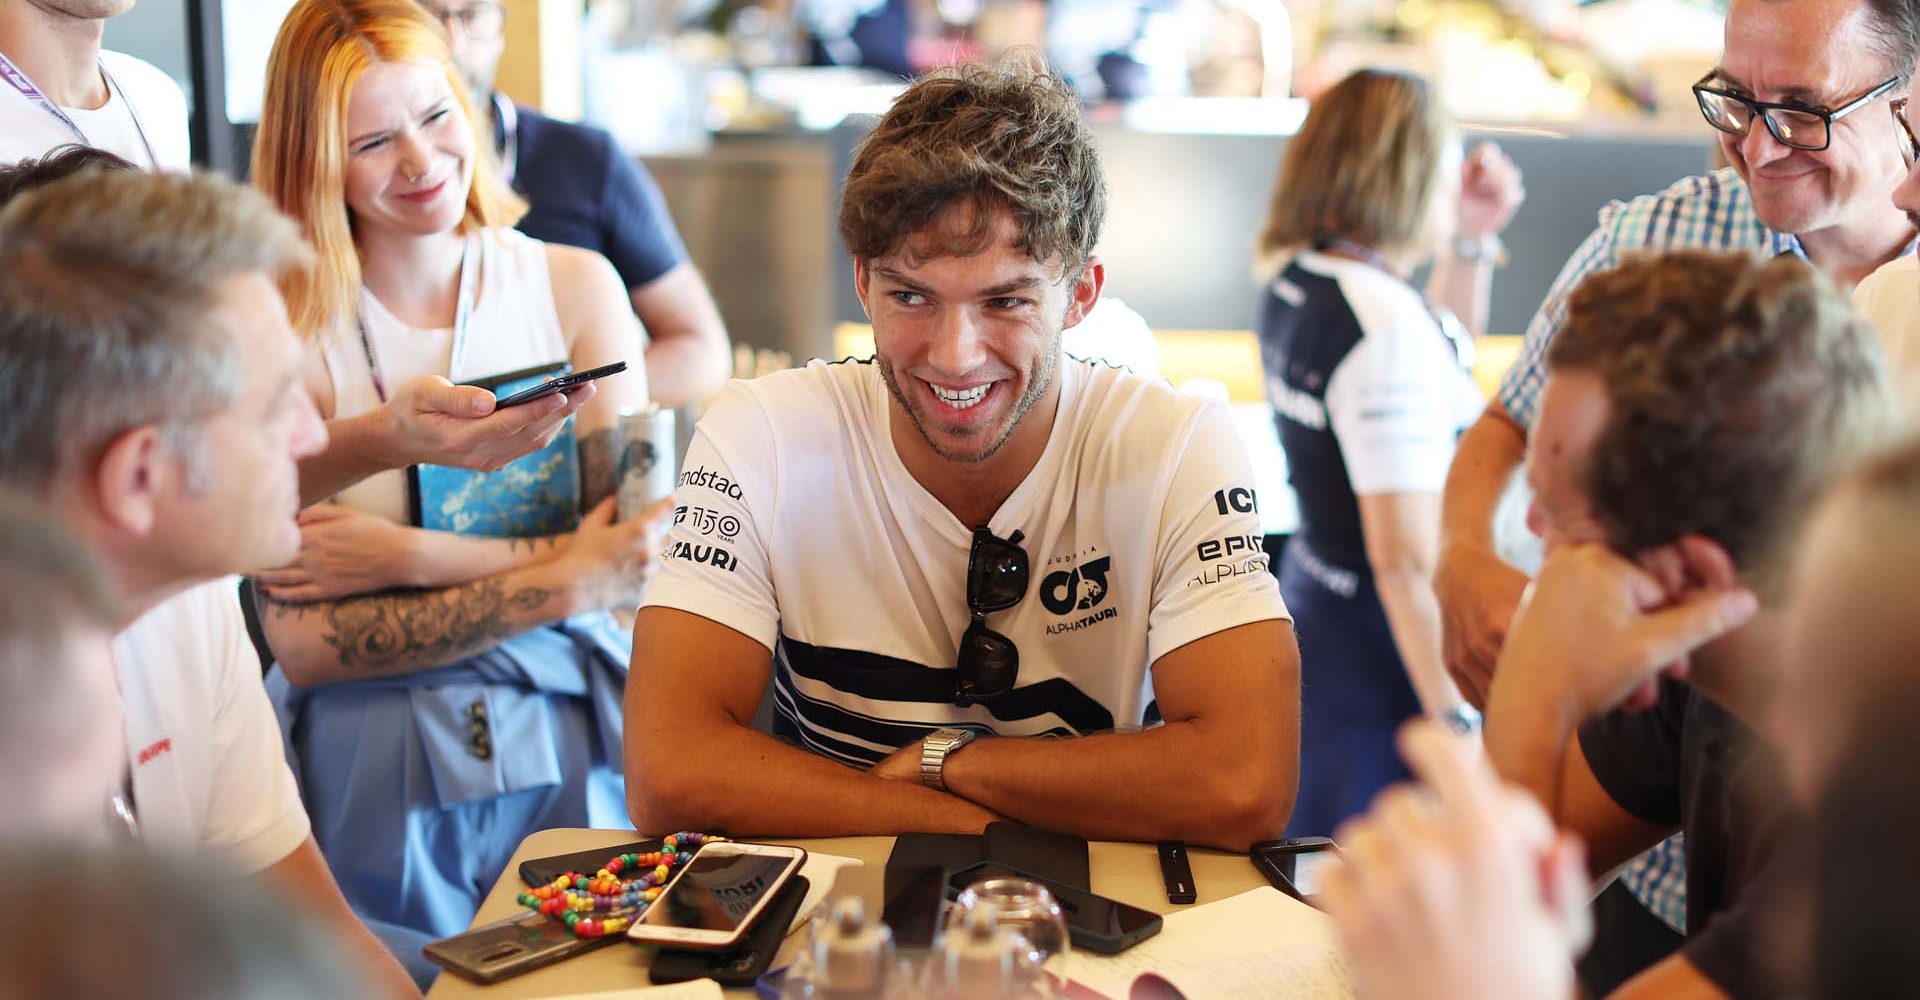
687,365
1182,780
1672,978
1463,287
750,784
357,447
444,559
397,632
303,876
1528,732
1482,466
1413,616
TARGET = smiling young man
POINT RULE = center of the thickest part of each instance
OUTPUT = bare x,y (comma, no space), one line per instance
984,579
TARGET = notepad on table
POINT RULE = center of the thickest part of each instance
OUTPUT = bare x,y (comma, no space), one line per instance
1259,945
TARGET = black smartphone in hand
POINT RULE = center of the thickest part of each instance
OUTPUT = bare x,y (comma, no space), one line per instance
561,384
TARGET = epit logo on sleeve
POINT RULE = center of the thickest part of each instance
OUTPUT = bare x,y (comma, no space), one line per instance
707,479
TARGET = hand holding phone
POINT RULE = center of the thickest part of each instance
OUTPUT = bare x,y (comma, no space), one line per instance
718,896
561,384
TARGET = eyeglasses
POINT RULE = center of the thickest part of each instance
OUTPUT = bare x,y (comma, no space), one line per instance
996,580
1910,144
1794,125
481,21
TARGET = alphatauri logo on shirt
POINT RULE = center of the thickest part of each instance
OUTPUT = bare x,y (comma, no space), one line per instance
1079,588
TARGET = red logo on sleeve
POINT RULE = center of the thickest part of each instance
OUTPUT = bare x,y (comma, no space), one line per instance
156,749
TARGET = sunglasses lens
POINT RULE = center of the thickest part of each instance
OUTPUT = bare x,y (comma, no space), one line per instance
989,663
996,575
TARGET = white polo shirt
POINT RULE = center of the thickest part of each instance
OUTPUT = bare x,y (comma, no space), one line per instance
798,526
146,101
209,771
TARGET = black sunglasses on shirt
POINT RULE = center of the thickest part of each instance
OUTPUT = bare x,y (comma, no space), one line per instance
997,577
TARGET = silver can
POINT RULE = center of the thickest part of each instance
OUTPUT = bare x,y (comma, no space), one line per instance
646,465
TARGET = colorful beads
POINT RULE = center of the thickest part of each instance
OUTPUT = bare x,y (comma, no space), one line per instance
573,898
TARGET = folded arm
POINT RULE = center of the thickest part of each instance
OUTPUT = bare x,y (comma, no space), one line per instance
1221,771
694,762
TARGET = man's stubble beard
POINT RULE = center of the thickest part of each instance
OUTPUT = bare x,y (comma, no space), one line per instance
1043,377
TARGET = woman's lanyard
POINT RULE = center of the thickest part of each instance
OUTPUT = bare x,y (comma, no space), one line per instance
19,82
1449,324
462,312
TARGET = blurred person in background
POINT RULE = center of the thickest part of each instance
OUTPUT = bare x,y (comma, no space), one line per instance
582,191
59,86
1460,890
61,780
1370,384
452,620
172,930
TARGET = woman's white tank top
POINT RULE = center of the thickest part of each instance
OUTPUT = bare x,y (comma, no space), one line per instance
511,324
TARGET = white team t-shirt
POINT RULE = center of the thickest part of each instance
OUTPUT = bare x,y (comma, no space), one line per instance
209,771
798,525
1890,300
27,131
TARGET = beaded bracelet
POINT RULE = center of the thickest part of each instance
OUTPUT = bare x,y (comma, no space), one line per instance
574,898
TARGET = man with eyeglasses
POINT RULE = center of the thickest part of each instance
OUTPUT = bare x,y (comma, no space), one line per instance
1796,101
985,580
582,191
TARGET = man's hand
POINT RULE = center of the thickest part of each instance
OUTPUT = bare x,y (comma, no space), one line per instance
1490,192
902,764
1595,631
431,420
1478,593
343,552
1459,887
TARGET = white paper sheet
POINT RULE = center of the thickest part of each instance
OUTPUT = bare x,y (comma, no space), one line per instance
1259,945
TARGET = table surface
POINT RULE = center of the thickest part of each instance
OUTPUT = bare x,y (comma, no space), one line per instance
1124,871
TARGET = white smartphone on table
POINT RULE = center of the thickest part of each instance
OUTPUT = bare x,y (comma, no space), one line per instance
716,898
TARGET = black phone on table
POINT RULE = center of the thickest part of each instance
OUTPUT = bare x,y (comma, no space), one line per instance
916,900
561,384
1295,866
509,947
537,872
1094,923
744,963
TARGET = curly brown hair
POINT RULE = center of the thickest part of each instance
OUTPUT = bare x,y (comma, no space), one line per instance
1738,389
1009,137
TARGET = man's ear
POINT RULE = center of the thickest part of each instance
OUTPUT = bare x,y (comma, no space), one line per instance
1086,292
861,280
1708,564
128,478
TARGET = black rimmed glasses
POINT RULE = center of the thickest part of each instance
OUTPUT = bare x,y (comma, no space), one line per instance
996,580
1909,143
1796,126
482,20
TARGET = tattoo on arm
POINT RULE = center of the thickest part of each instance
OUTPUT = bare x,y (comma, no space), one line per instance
599,452
416,629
